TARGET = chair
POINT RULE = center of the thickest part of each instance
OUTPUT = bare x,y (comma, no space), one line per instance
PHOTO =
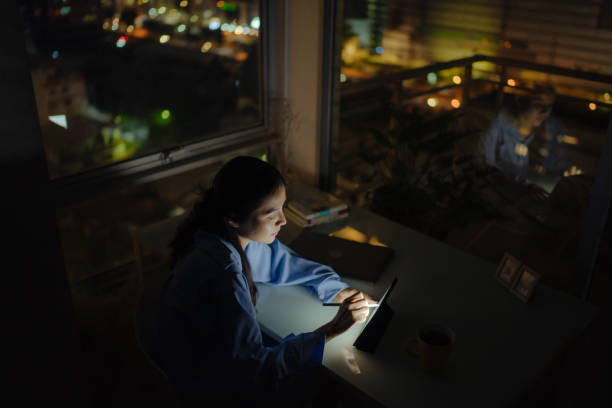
150,245
143,382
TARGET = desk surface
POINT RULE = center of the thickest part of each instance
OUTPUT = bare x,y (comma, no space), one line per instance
502,344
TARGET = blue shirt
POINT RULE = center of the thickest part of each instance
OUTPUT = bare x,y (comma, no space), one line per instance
503,147
210,343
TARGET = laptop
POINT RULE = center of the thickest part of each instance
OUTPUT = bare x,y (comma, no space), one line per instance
349,259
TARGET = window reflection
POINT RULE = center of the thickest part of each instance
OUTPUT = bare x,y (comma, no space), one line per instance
117,79
484,153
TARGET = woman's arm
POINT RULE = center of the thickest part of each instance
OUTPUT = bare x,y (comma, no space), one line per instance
276,264
489,143
242,337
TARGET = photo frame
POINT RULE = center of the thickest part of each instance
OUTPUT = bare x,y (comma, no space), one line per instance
525,285
508,271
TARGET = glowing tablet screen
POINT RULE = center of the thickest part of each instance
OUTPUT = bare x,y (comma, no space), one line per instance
382,300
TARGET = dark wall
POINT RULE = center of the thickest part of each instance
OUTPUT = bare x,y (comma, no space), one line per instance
42,360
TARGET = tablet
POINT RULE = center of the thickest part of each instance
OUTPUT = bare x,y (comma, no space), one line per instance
377,323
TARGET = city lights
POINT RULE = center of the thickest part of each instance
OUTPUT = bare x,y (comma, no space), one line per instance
220,4
592,106
238,30
206,46
184,3
456,103
606,96
229,7
120,151
55,54
214,25
511,82
129,28
567,139
432,102
521,149
162,10
380,50
193,18
121,42
115,26
164,39
432,78
140,33
181,28
225,27
255,23
152,12
573,171
507,44
456,79
342,78
165,114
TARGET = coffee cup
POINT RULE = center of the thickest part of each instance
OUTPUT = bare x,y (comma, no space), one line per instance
434,344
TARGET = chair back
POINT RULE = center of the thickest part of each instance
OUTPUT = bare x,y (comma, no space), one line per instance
150,244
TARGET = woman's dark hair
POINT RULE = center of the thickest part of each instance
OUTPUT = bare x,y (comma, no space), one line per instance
522,102
237,190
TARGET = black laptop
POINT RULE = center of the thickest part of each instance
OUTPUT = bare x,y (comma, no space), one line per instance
349,259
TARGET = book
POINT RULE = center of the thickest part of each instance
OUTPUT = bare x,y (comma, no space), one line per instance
303,222
309,203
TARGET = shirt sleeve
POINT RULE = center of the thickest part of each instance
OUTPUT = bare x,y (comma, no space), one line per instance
276,264
488,144
243,339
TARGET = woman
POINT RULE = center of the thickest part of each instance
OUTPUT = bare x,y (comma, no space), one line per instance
524,137
211,345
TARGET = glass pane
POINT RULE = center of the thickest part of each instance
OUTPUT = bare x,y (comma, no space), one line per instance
118,79
507,168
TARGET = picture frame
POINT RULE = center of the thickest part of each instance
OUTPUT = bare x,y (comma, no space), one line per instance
507,272
525,285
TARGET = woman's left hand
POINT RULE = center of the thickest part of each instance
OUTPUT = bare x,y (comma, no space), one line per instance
345,293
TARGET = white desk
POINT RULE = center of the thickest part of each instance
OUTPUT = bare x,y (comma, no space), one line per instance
502,344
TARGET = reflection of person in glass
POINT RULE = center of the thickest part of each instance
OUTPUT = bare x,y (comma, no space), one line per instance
524,137
210,343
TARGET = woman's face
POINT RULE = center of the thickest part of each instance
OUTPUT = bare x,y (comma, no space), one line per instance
540,110
266,221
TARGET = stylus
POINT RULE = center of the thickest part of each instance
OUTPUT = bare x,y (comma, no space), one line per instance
338,304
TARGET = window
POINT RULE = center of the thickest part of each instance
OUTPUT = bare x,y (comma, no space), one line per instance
117,80
450,124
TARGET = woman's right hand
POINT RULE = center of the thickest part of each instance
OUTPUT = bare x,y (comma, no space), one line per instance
354,309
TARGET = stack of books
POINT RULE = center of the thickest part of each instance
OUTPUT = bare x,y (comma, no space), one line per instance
308,206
